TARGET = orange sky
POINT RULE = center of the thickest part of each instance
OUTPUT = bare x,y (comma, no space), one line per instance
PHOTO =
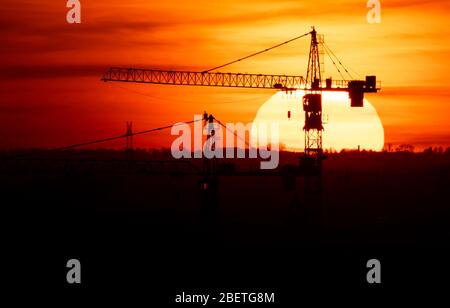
51,93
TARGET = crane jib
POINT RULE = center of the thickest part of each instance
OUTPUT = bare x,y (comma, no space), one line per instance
237,80
203,79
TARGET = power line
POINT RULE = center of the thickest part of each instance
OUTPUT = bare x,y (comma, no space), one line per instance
77,145
118,137
256,53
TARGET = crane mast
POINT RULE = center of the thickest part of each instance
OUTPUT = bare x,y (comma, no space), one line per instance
312,101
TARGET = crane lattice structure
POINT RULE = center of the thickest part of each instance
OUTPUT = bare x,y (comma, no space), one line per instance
313,85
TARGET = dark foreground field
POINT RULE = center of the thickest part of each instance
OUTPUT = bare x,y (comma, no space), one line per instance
143,230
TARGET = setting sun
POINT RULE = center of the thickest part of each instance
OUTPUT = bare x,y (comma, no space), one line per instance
344,127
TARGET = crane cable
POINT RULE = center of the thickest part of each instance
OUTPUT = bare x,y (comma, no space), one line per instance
331,51
256,53
334,63
233,132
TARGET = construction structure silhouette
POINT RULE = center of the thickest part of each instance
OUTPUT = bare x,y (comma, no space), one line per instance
312,85
310,163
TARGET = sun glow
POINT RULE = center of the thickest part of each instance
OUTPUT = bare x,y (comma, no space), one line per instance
344,127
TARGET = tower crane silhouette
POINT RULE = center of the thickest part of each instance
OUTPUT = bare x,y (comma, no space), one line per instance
313,86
